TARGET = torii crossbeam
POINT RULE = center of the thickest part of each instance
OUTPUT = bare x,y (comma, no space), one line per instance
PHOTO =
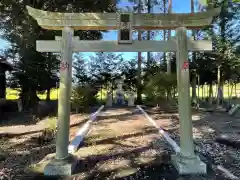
186,162
113,46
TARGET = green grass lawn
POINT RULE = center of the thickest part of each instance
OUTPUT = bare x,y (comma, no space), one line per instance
13,94
204,91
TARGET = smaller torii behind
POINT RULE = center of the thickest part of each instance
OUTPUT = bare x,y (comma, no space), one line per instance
186,162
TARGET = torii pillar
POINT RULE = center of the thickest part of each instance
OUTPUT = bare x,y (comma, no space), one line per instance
186,161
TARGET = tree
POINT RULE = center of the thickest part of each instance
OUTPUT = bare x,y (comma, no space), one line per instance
129,71
158,85
219,65
22,31
80,70
104,67
139,67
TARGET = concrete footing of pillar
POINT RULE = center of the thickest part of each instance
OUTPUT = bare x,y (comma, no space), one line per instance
186,166
49,166
64,167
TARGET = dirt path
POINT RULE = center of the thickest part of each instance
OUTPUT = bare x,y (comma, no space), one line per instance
20,148
119,143
120,146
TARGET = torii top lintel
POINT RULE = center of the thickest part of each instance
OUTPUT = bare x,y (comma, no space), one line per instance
108,21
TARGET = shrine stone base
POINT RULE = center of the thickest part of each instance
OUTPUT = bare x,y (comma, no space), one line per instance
49,166
186,166
63,167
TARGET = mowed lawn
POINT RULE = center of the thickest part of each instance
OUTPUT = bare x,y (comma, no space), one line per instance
13,94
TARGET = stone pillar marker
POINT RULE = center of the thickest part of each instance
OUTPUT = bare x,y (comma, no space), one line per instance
109,99
186,162
64,163
131,99
119,95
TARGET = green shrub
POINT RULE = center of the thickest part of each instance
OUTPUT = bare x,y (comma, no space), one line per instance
83,96
51,123
158,85
48,134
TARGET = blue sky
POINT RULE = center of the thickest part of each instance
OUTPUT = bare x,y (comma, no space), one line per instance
179,6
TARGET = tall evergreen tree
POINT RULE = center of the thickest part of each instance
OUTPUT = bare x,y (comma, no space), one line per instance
22,31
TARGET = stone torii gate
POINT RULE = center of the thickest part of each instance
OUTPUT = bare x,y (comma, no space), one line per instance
186,162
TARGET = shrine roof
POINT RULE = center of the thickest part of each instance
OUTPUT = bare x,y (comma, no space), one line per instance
108,21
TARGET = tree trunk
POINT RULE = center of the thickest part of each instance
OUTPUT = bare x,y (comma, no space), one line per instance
168,56
101,92
139,80
165,61
169,36
230,95
164,35
48,94
223,40
139,69
194,94
149,37
194,88
235,88
2,81
220,87
204,91
29,97
174,92
2,85
210,98
228,85
111,88
198,78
